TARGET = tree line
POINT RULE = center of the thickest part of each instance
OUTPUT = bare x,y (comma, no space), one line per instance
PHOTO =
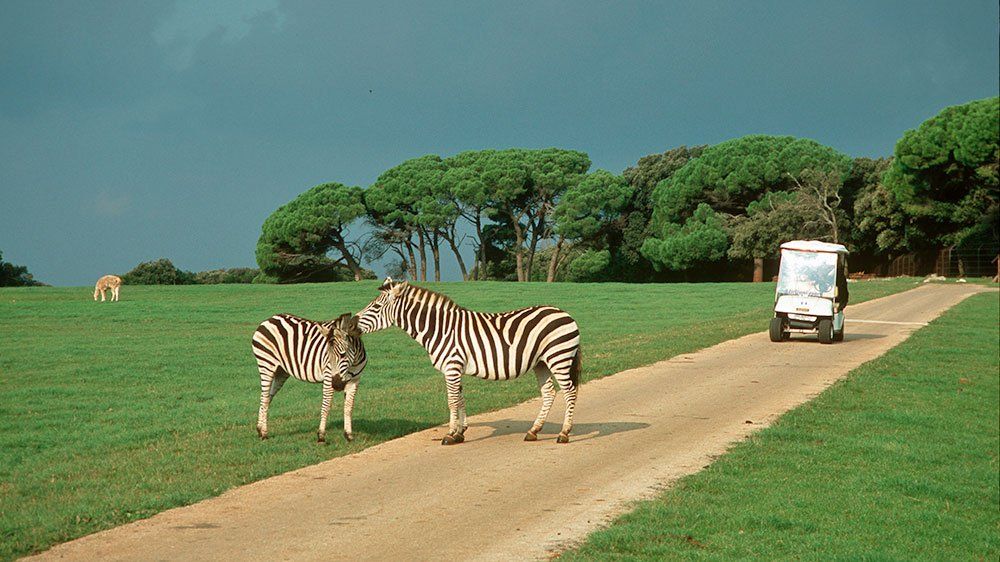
702,212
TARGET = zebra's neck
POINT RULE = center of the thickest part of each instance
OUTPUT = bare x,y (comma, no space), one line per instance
424,316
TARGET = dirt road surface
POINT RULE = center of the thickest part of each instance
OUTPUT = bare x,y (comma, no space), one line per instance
496,497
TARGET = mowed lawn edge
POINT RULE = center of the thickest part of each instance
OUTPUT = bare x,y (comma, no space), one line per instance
897,461
113,412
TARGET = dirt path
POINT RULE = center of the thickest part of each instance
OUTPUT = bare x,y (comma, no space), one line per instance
496,497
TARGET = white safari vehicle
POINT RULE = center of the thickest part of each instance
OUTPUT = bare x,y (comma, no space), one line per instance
812,291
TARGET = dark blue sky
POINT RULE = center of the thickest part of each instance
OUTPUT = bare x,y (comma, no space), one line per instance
136,130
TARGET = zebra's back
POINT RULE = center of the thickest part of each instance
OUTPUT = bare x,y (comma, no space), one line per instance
294,345
506,345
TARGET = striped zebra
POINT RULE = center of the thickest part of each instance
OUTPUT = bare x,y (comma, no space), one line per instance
497,346
327,352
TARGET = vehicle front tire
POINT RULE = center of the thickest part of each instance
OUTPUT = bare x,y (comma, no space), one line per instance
777,329
825,328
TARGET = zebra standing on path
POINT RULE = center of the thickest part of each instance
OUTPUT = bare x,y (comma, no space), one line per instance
490,346
327,352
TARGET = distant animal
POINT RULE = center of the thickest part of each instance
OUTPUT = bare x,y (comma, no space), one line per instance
319,352
494,346
108,282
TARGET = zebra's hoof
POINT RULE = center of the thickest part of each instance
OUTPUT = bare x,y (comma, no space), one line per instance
563,438
453,439
530,436
320,438
348,436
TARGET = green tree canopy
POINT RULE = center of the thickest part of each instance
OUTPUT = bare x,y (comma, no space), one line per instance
15,275
731,175
296,238
776,218
587,207
409,201
945,172
727,179
583,215
701,239
632,227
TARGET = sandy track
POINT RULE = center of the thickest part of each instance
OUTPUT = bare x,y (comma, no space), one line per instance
496,497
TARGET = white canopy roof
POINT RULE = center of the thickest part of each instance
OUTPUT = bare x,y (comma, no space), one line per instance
814,246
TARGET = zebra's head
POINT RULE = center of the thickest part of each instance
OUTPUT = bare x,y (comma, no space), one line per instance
339,336
378,314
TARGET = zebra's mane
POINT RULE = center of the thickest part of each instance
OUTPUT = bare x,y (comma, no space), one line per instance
424,295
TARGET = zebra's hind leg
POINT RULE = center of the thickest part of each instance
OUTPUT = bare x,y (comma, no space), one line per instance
567,375
270,384
548,391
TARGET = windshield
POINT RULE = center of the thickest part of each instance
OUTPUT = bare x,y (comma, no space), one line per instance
807,273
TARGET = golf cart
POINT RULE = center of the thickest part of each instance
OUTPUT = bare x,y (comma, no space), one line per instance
812,291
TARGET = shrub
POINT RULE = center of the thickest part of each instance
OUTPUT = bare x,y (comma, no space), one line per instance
158,272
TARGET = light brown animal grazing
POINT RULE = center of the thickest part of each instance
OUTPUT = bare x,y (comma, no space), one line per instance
108,282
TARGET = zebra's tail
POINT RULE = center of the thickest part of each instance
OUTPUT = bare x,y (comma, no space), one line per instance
576,367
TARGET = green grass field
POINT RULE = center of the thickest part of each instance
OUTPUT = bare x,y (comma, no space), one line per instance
112,412
897,462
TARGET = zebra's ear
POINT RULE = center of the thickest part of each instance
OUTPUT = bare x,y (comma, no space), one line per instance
398,287
352,328
387,284
324,330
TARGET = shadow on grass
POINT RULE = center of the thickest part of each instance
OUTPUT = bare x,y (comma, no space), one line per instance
581,431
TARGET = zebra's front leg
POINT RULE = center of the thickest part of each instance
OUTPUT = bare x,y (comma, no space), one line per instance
349,390
265,401
325,411
548,391
456,406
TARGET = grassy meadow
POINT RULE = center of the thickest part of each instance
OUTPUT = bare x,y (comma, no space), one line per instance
112,412
899,461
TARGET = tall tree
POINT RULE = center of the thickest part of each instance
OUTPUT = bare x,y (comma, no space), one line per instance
297,237
777,217
517,188
727,178
467,185
945,173
553,171
631,229
402,197
584,211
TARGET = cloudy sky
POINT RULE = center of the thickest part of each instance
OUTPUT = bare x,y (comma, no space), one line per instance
136,130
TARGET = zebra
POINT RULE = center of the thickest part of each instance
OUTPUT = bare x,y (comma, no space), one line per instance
328,352
494,346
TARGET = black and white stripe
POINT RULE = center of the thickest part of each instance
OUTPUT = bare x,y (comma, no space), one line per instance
497,346
318,352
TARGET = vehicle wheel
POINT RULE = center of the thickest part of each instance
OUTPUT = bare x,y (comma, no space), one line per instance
825,328
777,331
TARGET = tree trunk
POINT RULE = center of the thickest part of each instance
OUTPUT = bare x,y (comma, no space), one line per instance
353,265
536,235
480,251
458,256
758,270
554,262
412,265
422,249
436,252
519,248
